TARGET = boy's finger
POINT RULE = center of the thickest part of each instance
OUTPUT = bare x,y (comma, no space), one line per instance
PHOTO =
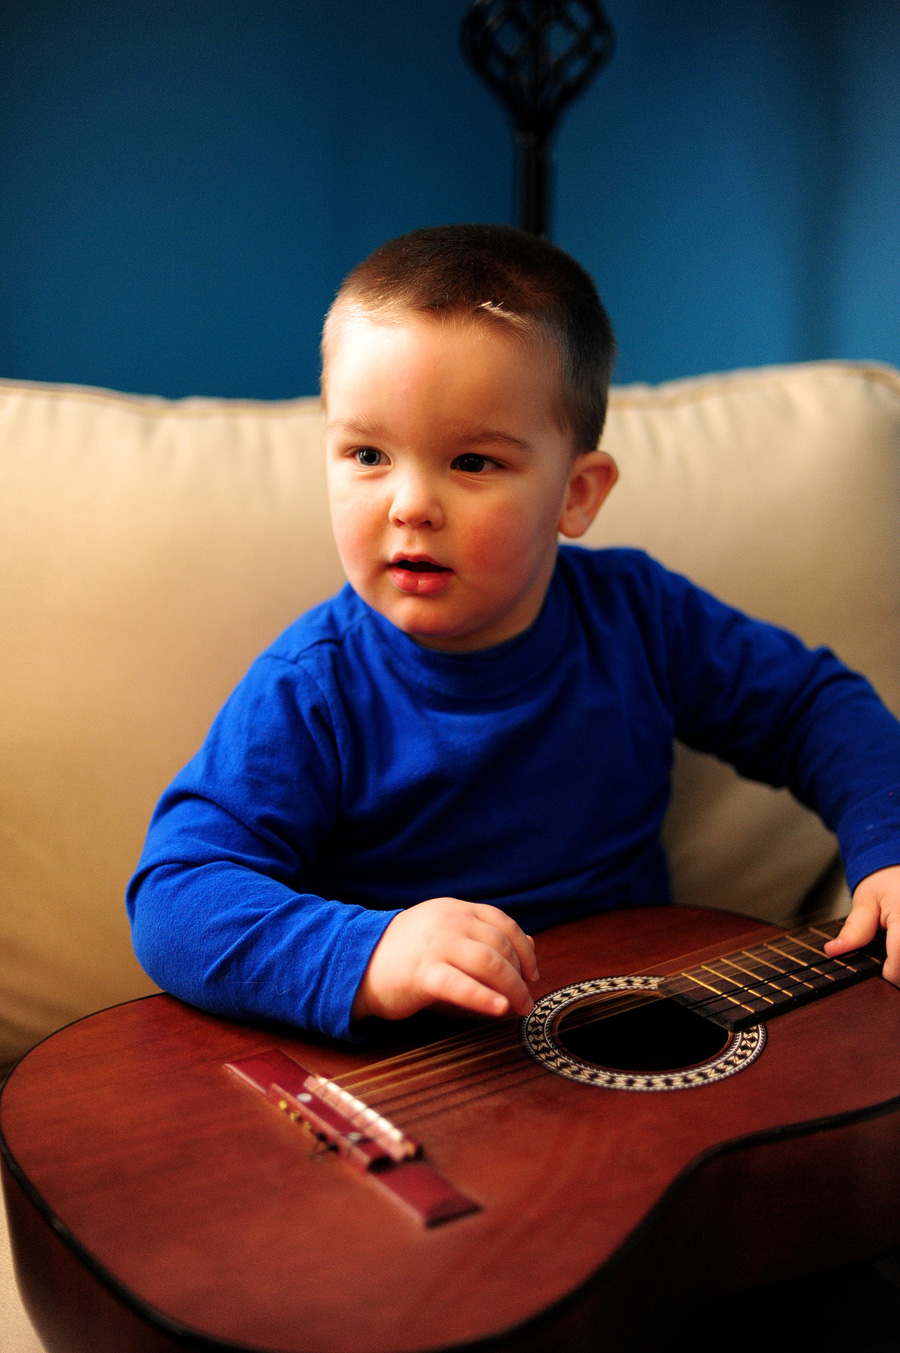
891,969
445,982
860,927
522,959
492,969
522,944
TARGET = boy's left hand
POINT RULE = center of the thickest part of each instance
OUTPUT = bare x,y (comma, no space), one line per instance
876,903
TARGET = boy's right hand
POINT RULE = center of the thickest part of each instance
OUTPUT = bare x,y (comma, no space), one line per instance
444,951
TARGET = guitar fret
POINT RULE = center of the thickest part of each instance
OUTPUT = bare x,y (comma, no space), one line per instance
800,963
725,976
770,978
803,963
856,961
813,949
788,964
823,980
793,973
763,970
706,986
780,968
753,995
859,960
759,980
684,988
798,974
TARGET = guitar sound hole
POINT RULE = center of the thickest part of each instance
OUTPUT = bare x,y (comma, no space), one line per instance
652,1034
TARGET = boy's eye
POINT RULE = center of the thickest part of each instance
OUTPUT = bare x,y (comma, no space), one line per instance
368,455
471,463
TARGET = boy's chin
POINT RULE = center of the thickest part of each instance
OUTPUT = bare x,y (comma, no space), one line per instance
423,624
440,639
439,634
454,643
429,625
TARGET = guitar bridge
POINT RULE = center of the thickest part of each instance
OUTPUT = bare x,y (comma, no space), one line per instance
365,1139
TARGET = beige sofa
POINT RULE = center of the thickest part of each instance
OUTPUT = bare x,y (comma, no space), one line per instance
149,549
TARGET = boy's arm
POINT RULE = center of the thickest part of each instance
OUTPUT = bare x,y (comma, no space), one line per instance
791,716
222,911
221,916
217,922
876,904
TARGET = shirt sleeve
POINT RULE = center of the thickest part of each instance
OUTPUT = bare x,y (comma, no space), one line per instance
756,696
221,909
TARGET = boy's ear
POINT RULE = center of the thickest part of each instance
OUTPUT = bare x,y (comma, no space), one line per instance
592,477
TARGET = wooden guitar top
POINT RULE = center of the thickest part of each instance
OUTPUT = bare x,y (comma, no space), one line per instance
191,1199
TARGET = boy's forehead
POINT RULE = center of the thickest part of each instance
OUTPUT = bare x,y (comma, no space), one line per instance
355,338
472,405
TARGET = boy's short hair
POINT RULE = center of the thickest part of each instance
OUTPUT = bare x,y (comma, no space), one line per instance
499,275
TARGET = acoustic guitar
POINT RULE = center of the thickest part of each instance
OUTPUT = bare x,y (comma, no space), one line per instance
680,1116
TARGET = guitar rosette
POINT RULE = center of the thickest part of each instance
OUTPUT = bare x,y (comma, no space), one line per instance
589,1003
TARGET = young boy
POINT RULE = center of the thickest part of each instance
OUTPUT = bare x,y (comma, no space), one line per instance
473,740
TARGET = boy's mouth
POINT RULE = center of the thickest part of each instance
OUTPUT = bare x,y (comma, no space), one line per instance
418,575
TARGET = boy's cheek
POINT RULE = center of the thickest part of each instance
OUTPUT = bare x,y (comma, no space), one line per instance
352,554
350,517
362,562
503,543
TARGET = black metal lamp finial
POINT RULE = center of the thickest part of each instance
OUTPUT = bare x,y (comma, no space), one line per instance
536,56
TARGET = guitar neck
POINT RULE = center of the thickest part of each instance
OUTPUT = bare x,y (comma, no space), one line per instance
741,988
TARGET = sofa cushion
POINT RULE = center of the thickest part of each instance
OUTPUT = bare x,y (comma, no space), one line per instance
149,549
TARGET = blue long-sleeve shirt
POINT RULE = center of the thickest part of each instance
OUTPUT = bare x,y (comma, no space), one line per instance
354,773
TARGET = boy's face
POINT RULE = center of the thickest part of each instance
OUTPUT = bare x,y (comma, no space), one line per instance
449,476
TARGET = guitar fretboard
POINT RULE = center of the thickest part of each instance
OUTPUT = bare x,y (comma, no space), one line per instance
743,987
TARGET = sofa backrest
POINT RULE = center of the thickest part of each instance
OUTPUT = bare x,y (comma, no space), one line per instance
149,549
779,490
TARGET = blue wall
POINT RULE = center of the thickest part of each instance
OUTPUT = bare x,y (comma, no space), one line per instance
183,183
732,182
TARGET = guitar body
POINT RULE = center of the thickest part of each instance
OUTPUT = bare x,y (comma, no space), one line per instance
156,1202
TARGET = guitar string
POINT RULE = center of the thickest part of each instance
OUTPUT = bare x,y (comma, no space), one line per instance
430,1059
419,1111
427,1101
436,1053
410,1105
364,1084
457,1067
457,1070
477,1047
465,1050
484,1040
465,1057
831,969
461,1039
414,1108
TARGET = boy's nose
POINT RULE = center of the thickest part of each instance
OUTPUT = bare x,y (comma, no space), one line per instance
415,504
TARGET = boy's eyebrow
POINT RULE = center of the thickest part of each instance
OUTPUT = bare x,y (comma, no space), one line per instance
365,427
486,436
